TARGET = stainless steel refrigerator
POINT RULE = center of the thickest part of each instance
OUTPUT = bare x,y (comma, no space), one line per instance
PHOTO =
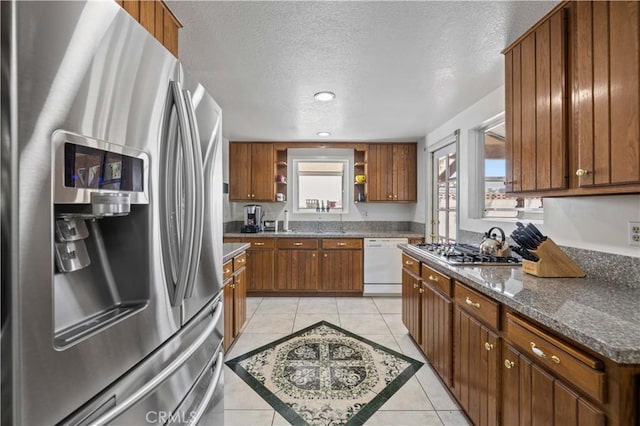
111,180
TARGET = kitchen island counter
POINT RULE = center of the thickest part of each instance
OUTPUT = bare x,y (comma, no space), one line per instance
327,234
231,250
601,315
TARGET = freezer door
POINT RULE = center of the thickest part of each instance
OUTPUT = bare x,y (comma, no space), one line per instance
205,117
87,68
179,384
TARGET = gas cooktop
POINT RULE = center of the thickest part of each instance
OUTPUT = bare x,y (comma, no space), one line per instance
463,254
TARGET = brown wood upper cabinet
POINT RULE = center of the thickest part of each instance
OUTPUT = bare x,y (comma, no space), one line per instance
606,65
392,172
156,17
536,149
572,102
251,175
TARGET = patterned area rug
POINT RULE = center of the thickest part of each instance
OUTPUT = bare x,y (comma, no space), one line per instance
324,375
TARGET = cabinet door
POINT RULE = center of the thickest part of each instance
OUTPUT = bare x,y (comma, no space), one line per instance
404,172
239,301
437,311
475,368
341,270
297,270
536,148
606,93
260,269
239,171
380,179
227,303
534,397
262,172
412,304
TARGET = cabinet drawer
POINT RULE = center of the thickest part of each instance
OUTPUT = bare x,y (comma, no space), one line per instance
261,243
411,264
339,243
482,307
297,243
436,279
564,359
227,270
239,261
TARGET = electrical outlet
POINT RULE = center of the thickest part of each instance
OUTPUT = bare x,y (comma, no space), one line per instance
634,234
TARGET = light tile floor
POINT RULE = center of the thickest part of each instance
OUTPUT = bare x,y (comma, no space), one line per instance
423,400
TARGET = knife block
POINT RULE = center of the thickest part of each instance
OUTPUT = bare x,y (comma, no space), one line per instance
553,263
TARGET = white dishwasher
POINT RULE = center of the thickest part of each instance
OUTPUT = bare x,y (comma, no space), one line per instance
383,266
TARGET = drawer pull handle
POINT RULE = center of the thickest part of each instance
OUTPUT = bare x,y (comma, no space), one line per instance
536,350
415,285
226,271
297,244
258,244
582,172
408,262
433,278
488,346
342,244
509,364
241,260
472,303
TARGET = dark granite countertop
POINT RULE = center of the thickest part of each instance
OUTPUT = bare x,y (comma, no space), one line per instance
327,234
602,316
231,250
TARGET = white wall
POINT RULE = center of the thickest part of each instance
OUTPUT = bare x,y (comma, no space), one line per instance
594,223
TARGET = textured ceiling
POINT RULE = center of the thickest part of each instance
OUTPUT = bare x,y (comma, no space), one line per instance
399,69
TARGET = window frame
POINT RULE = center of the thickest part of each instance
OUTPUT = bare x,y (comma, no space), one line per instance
477,185
320,155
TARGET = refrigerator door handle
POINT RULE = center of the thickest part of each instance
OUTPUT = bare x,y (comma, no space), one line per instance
178,252
199,195
166,372
206,398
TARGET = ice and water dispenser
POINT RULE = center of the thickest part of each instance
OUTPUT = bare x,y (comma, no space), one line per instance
101,235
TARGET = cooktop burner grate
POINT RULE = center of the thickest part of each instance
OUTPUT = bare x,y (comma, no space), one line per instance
464,254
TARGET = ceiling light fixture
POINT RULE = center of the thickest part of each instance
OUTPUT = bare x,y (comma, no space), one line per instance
324,96
324,134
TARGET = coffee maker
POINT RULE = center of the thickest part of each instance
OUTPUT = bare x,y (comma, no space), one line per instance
252,218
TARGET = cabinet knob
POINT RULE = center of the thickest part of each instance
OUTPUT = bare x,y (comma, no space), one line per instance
248,195
509,364
389,196
326,255
415,285
313,255
488,346
539,352
395,196
421,290
472,303
582,172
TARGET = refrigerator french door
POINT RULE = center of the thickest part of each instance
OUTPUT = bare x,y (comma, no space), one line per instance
97,290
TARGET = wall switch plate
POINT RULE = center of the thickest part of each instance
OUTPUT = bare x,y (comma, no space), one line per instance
634,234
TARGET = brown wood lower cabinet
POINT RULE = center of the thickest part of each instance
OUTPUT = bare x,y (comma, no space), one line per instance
476,359
412,304
341,271
437,312
297,265
260,263
234,299
532,396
